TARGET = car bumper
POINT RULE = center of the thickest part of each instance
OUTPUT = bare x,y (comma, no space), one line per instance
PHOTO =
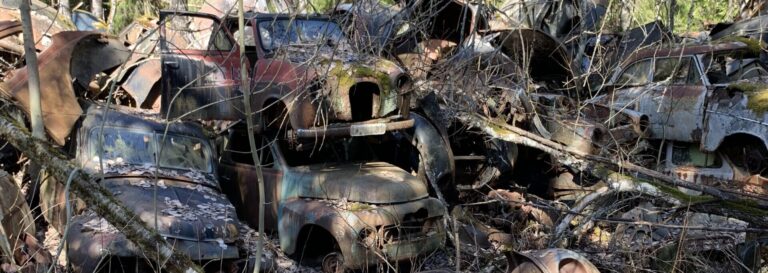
88,246
363,256
366,128
410,239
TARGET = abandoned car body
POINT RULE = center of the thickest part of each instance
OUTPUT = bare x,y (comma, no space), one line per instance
686,162
349,213
692,94
138,161
303,77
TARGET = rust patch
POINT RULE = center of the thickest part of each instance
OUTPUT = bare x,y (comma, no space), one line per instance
142,80
57,73
696,134
8,28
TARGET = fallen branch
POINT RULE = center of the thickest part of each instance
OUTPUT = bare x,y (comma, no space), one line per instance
96,197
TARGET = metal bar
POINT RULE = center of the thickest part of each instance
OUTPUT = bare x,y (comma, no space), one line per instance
342,131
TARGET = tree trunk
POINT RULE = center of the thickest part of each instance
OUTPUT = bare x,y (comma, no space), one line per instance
97,8
30,55
179,4
671,13
65,9
111,16
95,196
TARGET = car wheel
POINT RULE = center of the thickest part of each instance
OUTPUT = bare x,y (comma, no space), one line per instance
333,263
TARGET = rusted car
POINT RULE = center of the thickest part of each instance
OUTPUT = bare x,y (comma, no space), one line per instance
691,93
686,162
165,173
304,76
333,204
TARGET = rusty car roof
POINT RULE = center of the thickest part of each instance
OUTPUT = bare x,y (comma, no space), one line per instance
683,50
261,15
131,118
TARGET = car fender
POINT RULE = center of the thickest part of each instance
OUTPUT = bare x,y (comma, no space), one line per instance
296,214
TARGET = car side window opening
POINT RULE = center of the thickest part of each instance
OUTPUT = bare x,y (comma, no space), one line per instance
716,69
732,66
635,74
221,41
195,33
691,156
677,70
250,40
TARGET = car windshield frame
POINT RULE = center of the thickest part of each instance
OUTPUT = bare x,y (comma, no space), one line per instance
148,155
297,38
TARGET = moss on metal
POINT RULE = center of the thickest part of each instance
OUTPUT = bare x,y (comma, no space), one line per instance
753,46
345,76
757,95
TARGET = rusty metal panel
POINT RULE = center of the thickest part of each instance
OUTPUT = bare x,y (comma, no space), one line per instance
549,260
9,28
684,50
142,80
46,21
58,70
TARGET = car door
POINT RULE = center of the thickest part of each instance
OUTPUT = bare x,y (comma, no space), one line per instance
674,102
686,162
628,85
200,68
239,180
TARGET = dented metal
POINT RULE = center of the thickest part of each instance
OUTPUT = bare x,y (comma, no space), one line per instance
69,65
313,86
705,107
180,197
372,211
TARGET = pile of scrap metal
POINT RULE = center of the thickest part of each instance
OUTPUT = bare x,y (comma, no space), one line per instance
118,143
505,67
474,70
358,211
20,251
46,22
376,133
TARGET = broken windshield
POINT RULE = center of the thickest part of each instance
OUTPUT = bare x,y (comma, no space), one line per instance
135,147
297,32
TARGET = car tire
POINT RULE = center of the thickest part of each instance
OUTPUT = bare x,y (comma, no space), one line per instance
333,263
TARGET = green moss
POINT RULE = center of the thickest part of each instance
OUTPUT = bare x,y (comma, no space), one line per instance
143,11
498,129
746,206
753,46
345,78
757,95
679,195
